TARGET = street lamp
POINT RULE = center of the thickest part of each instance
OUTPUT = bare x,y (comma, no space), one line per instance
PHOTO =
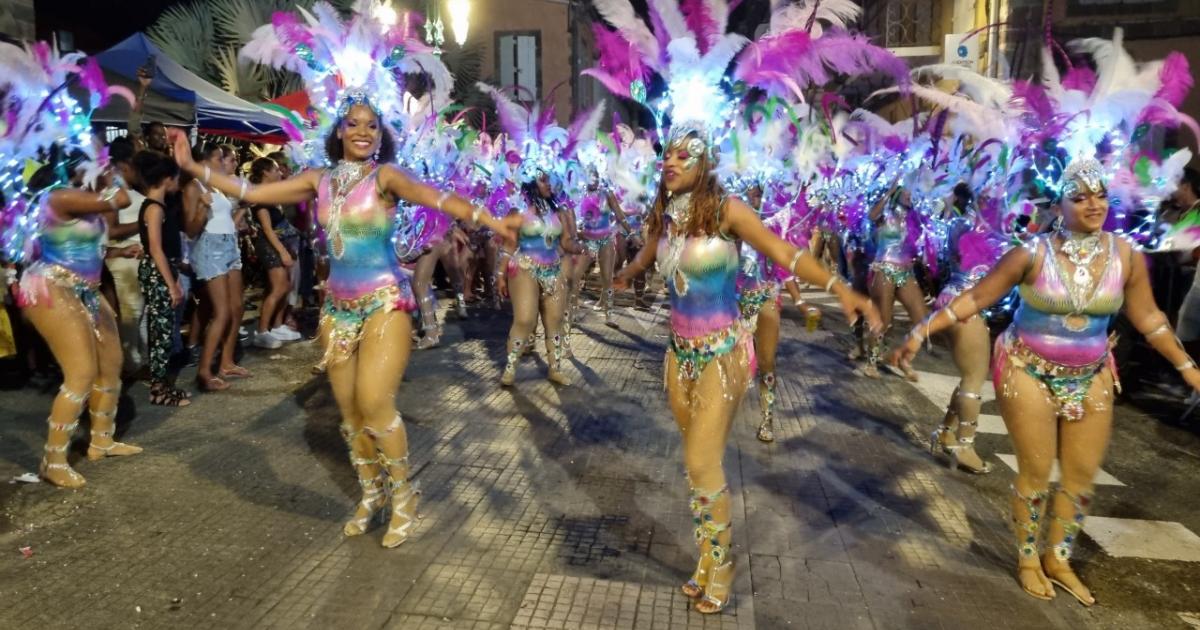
460,19
385,14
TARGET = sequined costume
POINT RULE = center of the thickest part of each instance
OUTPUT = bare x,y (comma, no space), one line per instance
894,253
1060,339
756,284
701,274
963,275
70,255
537,247
365,274
596,226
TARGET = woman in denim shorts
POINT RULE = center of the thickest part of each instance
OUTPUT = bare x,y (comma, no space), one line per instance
217,263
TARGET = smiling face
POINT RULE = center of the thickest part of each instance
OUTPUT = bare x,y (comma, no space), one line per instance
1085,210
228,161
360,133
543,186
682,164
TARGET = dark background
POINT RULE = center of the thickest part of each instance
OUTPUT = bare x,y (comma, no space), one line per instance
97,24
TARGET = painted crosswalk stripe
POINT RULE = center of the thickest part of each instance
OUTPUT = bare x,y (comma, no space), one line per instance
1102,478
938,387
1133,538
989,423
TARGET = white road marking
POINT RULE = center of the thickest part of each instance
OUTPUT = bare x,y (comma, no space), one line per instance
1132,538
991,424
1102,478
938,387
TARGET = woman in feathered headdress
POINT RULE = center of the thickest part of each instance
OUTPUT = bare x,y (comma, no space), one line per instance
598,214
1054,372
365,325
56,226
694,229
532,264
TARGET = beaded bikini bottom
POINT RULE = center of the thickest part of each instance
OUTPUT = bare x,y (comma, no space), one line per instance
1067,386
345,318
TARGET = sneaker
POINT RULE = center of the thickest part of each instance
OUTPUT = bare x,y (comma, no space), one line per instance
267,340
284,333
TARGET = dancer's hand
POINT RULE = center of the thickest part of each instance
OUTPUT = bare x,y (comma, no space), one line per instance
620,282
855,304
502,284
176,294
508,226
183,150
903,356
286,260
1192,378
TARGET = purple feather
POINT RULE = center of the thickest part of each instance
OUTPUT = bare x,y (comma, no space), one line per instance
620,64
659,27
702,23
290,30
1032,98
1080,78
92,79
1176,79
978,250
764,61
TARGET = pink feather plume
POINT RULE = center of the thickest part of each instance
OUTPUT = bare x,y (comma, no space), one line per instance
620,62
1080,78
703,23
1176,79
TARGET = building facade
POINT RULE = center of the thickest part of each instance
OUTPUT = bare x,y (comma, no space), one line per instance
17,19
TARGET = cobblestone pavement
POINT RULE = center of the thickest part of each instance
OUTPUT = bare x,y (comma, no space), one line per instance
551,507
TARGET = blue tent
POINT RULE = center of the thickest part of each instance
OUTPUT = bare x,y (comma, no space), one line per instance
179,97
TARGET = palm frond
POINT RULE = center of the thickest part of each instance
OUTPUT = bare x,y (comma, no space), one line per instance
247,80
184,33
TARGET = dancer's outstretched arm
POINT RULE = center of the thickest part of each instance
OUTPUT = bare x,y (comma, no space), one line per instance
741,221
1007,273
1145,315
401,186
293,190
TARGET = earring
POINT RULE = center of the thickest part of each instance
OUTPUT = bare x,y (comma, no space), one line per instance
377,150
1058,223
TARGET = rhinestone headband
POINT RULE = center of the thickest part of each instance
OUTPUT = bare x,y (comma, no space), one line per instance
1083,176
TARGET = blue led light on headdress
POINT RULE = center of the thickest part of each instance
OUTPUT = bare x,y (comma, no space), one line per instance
355,96
1086,175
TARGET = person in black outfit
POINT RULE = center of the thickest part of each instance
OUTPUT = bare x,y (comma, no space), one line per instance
158,276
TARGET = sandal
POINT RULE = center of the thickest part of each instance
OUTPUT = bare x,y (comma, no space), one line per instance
709,604
213,384
236,371
165,397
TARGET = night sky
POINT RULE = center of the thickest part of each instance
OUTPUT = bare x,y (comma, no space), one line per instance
97,24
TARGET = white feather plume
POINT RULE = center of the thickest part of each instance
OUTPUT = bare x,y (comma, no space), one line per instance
621,15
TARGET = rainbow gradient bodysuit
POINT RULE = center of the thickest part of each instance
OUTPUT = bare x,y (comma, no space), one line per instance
537,247
70,255
1059,338
701,274
365,274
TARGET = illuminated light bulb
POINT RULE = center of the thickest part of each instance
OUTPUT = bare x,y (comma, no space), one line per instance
460,19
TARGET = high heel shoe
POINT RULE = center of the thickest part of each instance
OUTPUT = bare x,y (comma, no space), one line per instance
374,497
721,580
694,587
403,493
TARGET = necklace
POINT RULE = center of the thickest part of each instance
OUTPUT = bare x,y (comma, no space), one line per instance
344,178
679,210
1080,250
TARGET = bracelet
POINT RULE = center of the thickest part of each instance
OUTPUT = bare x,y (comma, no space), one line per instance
950,311
916,333
832,281
1189,364
475,214
796,261
441,200
207,173
242,192
1165,328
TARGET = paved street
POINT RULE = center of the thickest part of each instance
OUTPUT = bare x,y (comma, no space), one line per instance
566,508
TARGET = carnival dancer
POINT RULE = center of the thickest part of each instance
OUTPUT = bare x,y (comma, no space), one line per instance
57,225
891,275
531,266
692,233
366,324
597,217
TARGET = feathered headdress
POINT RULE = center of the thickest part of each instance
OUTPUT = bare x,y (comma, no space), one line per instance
687,46
38,112
342,63
537,142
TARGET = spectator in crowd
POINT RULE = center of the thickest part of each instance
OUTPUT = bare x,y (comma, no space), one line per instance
124,270
159,277
217,264
1187,198
154,135
276,245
